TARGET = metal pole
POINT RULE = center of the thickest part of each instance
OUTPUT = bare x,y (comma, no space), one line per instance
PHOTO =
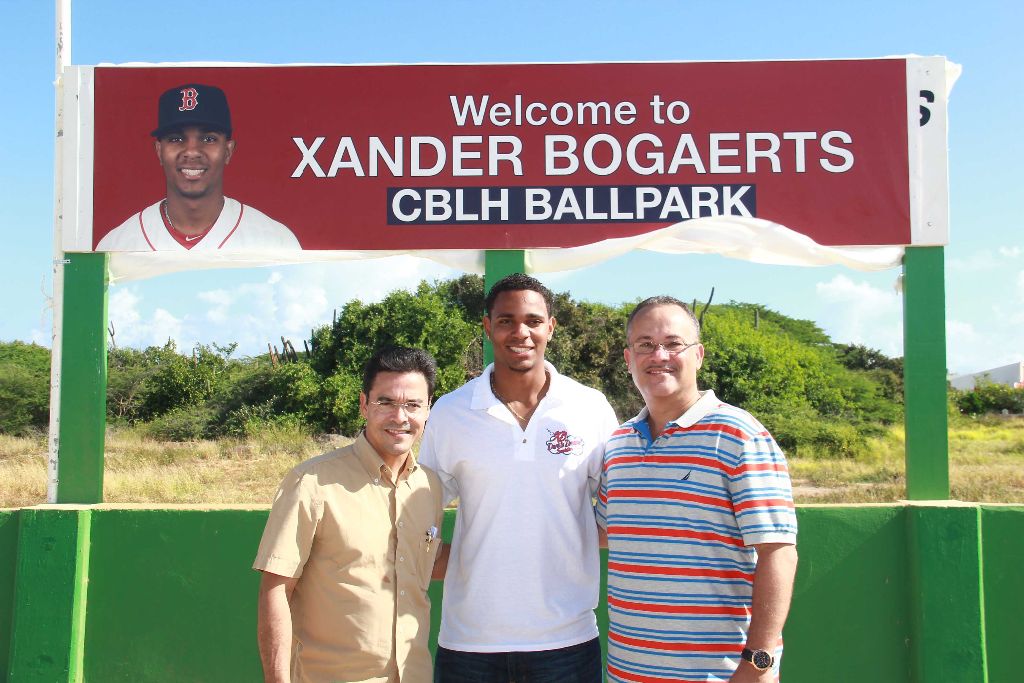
62,41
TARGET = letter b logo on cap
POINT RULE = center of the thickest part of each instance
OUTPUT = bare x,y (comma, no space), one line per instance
189,99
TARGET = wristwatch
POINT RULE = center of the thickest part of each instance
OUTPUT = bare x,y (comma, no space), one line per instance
761,659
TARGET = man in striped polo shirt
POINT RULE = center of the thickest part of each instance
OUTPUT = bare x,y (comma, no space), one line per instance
698,507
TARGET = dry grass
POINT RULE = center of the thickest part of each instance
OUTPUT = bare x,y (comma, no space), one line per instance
143,470
986,465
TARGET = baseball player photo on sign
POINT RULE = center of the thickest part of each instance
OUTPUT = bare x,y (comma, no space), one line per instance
194,145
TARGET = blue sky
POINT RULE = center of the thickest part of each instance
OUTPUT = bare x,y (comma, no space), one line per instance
984,261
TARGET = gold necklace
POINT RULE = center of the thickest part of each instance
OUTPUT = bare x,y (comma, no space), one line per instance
167,217
507,404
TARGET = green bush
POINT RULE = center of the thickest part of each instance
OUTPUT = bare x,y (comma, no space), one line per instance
182,424
989,397
24,388
818,398
804,433
342,392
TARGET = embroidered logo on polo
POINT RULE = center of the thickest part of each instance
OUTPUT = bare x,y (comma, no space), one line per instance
564,443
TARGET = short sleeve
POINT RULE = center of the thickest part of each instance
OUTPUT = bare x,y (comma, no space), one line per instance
430,458
291,527
607,424
601,508
762,494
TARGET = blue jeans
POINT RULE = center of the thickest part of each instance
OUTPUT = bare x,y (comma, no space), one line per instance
574,664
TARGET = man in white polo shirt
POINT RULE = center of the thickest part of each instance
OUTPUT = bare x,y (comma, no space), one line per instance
521,447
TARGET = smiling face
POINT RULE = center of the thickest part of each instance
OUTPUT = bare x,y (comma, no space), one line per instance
519,328
392,429
193,160
665,380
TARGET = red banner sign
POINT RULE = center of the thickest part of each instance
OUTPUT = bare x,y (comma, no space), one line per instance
500,156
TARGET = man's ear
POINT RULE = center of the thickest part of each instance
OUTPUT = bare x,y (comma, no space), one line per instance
487,327
231,150
363,407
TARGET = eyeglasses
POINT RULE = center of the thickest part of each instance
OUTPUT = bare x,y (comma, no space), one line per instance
410,407
672,348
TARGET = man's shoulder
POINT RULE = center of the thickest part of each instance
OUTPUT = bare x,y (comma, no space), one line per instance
565,387
456,400
432,477
339,459
257,229
734,418
129,235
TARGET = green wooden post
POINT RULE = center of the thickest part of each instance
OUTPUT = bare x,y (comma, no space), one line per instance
947,593
498,264
48,624
83,380
924,373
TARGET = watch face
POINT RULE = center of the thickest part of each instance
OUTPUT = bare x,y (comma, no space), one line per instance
762,660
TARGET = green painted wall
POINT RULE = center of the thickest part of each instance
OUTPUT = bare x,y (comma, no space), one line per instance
171,595
1002,558
51,567
8,557
851,595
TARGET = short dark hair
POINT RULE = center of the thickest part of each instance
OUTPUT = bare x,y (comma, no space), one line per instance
400,359
518,282
662,300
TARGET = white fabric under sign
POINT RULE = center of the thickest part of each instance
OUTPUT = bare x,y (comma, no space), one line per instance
748,239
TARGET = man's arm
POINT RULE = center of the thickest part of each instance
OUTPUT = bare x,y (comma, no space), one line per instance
274,626
773,589
441,562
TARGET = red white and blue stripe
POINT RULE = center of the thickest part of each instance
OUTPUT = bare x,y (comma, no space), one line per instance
683,513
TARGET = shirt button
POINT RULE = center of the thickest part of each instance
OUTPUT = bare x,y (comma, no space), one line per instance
524,440
401,524
401,559
376,481
401,592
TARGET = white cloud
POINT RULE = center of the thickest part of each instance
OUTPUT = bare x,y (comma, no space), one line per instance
220,300
287,302
123,307
982,260
163,325
41,337
970,349
859,313
985,259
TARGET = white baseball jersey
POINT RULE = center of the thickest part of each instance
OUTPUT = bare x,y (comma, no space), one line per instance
238,228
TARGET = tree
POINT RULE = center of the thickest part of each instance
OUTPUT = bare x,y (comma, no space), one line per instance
422,319
24,388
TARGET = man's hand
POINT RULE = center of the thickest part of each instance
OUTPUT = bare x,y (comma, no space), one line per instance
441,562
773,590
274,626
746,673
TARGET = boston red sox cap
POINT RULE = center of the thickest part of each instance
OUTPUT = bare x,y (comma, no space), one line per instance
193,104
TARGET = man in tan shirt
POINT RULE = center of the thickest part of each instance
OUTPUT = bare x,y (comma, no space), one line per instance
350,543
